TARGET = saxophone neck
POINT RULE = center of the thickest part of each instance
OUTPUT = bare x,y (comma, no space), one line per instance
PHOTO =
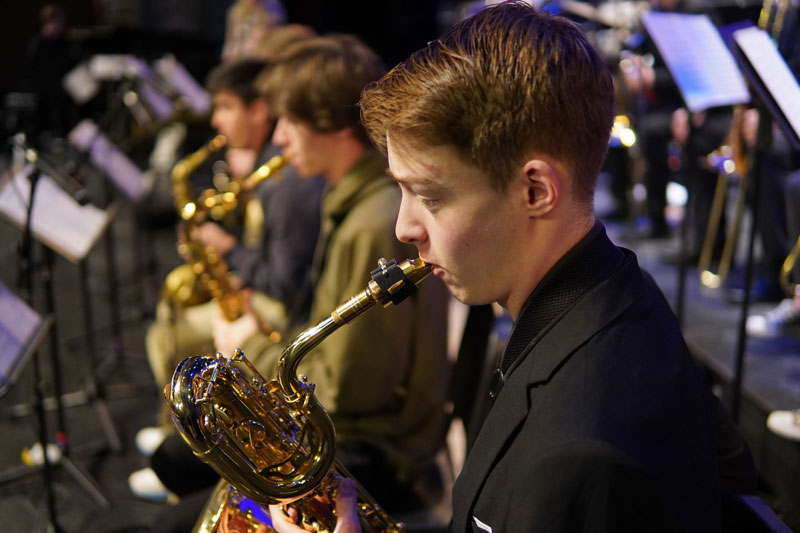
184,200
218,204
264,172
390,284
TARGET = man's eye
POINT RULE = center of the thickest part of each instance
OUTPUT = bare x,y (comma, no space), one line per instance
428,202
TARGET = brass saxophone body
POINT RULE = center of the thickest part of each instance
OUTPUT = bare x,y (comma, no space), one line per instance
272,440
204,275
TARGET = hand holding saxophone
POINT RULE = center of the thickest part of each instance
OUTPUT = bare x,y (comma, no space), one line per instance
240,161
211,234
229,335
284,520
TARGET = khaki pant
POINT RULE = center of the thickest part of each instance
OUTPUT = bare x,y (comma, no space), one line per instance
178,334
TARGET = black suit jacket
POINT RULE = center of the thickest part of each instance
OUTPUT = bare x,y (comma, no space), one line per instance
601,425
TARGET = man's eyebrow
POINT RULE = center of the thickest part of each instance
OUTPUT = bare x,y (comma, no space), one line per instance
409,179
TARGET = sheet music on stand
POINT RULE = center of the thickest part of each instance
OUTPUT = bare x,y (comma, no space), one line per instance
151,90
703,68
771,78
195,96
21,333
58,221
108,158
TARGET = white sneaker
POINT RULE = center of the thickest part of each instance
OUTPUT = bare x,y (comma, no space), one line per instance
785,423
149,439
145,484
783,320
33,456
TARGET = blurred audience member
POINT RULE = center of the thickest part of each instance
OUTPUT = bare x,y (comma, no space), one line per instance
248,24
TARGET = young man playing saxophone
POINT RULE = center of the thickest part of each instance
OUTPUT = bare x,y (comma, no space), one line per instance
274,264
495,134
383,378
277,259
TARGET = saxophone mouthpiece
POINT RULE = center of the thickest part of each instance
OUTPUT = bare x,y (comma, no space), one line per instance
416,269
397,282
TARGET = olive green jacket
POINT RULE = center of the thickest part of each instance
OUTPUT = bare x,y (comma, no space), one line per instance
383,378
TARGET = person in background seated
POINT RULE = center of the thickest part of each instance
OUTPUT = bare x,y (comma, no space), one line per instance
784,319
247,23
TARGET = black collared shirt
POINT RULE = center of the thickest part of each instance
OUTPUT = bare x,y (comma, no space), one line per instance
589,262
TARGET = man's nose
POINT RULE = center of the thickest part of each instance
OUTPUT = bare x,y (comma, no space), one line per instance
408,227
279,135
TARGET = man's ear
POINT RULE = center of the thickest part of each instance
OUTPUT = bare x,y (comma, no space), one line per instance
345,133
259,109
542,187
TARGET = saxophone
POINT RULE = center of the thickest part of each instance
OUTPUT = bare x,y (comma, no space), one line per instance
204,276
273,441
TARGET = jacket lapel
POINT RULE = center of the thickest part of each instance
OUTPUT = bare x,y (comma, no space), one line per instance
590,314
536,364
506,415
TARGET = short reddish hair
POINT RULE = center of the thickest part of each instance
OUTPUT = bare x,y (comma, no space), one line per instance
497,85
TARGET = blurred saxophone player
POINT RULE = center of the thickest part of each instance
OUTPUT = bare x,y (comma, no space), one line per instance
275,263
383,378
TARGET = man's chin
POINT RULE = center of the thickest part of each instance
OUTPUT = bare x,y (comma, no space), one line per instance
462,295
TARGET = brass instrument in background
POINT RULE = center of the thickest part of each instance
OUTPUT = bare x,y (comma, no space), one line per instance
791,289
273,441
622,132
771,16
204,276
731,160
181,286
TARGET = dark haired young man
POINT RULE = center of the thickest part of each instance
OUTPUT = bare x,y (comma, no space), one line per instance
495,133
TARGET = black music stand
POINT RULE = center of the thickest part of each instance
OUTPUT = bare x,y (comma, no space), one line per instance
35,223
63,241
707,76
31,229
776,93
15,352
21,333
778,97
95,147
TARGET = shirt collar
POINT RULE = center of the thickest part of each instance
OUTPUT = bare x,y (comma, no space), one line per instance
339,199
587,263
